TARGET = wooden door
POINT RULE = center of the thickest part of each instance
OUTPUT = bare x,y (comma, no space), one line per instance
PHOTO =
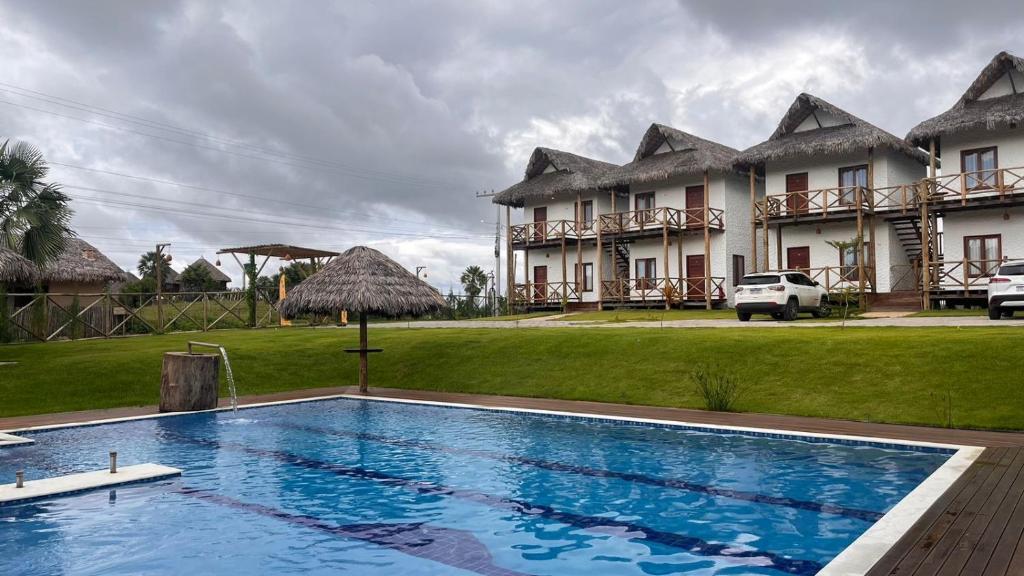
540,283
644,206
694,205
798,258
695,276
540,218
796,193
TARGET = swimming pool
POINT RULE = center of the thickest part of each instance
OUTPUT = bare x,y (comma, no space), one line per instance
374,487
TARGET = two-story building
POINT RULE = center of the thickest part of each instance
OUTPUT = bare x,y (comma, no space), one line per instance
649,233
975,205
840,200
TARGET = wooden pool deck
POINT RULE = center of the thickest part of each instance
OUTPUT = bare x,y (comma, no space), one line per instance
974,529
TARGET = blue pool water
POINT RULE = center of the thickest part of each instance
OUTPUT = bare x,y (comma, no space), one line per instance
369,487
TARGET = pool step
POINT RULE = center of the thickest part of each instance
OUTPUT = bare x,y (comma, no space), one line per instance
11,440
75,483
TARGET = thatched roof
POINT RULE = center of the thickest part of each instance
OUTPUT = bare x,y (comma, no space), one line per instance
15,268
215,273
81,262
851,135
689,156
573,173
362,280
970,113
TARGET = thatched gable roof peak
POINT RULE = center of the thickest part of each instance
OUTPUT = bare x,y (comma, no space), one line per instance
215,273
689,155
362,280
847,134
973,113
15,268
81,262
571,173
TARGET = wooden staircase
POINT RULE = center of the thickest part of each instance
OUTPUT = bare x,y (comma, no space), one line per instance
619,252
897,301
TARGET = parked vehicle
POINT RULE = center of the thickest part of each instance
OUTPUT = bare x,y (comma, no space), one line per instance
1006,290
781,294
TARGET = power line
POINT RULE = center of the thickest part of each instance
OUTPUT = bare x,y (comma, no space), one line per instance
245,196
348,173
205,215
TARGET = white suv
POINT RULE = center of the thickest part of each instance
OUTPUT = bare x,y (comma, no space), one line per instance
782,294
1006,290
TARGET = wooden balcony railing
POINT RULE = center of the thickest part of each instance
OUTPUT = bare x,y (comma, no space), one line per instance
656,219
817,203
655,289
547,231
838,278
545,293
963,275
998,183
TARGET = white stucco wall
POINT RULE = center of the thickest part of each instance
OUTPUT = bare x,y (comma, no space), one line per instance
891,169
1009,145
957,225
1004,87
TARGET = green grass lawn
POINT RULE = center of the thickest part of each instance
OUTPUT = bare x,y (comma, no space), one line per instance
951,312
876,374
684,314
513,317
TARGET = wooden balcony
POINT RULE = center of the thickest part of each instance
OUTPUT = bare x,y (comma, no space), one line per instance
549,232
980,189
656,220
642,290
839,203
545,293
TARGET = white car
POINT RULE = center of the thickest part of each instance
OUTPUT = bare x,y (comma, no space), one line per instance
1006,290
782,294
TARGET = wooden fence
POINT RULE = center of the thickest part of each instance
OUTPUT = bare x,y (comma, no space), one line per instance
45,317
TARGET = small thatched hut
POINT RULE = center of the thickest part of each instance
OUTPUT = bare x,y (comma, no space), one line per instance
993,102
666,153
832,132
554,174
216,274
79,269
364,281
15,268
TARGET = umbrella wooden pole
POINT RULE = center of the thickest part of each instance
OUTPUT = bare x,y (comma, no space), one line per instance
363,369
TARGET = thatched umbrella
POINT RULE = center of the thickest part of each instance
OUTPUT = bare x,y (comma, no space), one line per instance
364,281
15,267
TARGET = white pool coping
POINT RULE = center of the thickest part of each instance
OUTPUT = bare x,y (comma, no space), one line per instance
855,559
75,483
12,440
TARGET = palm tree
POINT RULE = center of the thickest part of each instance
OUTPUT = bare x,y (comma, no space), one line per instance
34,216
474,281
147,265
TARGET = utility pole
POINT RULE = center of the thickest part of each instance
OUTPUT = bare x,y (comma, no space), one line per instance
159,263
497,246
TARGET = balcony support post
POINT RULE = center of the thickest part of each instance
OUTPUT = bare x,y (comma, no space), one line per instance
872,226
753,218
510,272
526,275
580,280
599,281
764,235
926,269
707,241
664,246
565,279
859,198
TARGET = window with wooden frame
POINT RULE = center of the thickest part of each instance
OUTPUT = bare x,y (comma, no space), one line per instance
585,277
643,203
983,254
646,271
979,167
739,268
585,216
849,179
849,259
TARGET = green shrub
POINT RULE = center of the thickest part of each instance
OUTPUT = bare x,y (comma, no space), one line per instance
719,390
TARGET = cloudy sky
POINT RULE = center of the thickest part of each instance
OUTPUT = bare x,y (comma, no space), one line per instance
329,124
